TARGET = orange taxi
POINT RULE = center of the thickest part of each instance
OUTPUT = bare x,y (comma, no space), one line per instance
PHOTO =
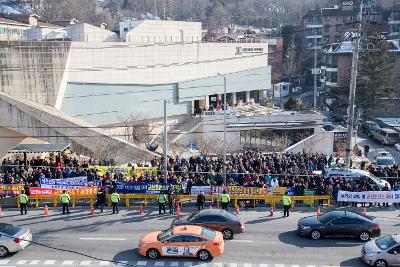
182,241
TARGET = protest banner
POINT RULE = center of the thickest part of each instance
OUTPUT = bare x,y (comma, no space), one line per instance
308,192
149,188
125,170
195,190
84,191
369,196
240,190
145,171
75,182
11,189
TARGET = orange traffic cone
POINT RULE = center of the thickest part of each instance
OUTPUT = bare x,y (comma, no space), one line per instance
178,210
365,211
46,211
92,212
141,211
237,211
271,212
1,212
318,212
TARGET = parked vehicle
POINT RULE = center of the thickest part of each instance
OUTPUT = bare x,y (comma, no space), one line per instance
386,136
382,252
13,238
339,223
369,127
397,146
384,161
353,175
340,118
220,220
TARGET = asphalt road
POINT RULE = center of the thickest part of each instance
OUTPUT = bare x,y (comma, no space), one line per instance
266,242
375,146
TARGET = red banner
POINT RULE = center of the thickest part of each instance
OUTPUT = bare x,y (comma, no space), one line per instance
11,189
84,191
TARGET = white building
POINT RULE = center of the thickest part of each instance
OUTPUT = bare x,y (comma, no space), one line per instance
11,30
84,32
281,89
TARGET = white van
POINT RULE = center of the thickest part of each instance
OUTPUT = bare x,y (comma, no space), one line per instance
386,136
352,175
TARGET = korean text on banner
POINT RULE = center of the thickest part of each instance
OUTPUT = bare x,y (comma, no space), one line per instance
11,189
75,182
206,189
369,196
101,170
149,188
84,191
145,171
240,190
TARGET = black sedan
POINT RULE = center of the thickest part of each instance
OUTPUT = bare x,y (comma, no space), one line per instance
339,223
216,219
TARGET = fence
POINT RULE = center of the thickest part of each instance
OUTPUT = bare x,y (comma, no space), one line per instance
145,198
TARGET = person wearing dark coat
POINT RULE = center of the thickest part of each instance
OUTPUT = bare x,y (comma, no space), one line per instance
201,199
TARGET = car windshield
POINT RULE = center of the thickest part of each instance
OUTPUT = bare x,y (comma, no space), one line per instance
374,127
326,217
385,242
393,135
10,230
191,216
164,234
385,161
208,233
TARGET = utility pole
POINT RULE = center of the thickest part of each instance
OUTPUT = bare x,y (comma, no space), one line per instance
315,74
164,9
353,85
155,6
225,107
165,142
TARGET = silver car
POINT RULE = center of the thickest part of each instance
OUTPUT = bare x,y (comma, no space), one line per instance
382,252
13,238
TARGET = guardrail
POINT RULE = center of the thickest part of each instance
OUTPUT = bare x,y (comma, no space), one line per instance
182,199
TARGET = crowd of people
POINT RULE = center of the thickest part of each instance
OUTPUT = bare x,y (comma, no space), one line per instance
248,169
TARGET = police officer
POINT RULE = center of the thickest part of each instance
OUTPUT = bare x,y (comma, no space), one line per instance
65,199
161,199
23,201
225,199
286,204
201,199
101,199
114,200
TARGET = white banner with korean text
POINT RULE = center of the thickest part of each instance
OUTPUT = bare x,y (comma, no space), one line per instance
369,196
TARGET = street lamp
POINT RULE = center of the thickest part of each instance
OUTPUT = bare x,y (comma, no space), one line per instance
224,168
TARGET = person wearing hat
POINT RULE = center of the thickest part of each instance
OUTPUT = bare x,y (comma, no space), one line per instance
23,201
65,199
286,204
225,199
114,200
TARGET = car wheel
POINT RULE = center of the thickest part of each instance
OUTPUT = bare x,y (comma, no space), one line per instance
204,255
315,234
227,234
364,236
3,251
380,263
153,253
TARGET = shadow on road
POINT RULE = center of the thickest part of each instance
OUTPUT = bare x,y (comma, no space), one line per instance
352,262
293,238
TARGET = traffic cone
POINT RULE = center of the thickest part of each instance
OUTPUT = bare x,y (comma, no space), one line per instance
318,212
92,212
365,211
141,211
271,212
1,212
237,211
178,210
46,211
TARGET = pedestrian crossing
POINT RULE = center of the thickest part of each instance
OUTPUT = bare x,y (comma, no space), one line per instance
142,263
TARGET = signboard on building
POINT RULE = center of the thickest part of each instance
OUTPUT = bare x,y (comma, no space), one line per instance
249,50
339,142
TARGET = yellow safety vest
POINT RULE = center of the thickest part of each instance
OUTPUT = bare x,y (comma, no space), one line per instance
161,198
23,199
287,201
225,198
114,197
65,198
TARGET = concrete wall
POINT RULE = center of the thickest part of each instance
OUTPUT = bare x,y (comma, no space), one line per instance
84,32
45,33
157,31
33,70
121,63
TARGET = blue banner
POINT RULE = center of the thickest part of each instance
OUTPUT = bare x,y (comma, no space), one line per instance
67,183
149,188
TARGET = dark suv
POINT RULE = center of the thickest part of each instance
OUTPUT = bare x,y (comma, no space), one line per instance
216,219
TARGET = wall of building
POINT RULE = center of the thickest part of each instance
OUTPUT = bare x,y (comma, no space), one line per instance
12,32
162,31
45,33
84,32
33,70
344,67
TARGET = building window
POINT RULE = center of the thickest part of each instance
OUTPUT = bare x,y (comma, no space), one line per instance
2,30
337,38
327,28
126,29
326,38
338,18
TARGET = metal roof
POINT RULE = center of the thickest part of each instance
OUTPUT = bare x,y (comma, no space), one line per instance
39,148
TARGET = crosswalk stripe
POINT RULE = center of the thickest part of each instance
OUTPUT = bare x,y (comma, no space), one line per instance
174,264
159,263
247,264
279,265
49,262
85,262
310,265
122,263
218,264
21,262
263,265
141,263
188,264
231,265
67,262
4,261
103,263
295,265
34,262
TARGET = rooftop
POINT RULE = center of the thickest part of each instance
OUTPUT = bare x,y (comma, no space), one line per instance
11,22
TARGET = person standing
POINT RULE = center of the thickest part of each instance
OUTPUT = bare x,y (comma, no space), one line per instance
23,201
171,203
101,199
366,150
161,199
114,200
225,199
201,199
65,200
286,204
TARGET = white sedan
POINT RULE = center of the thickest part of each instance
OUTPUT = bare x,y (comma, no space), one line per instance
397,146
13,238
